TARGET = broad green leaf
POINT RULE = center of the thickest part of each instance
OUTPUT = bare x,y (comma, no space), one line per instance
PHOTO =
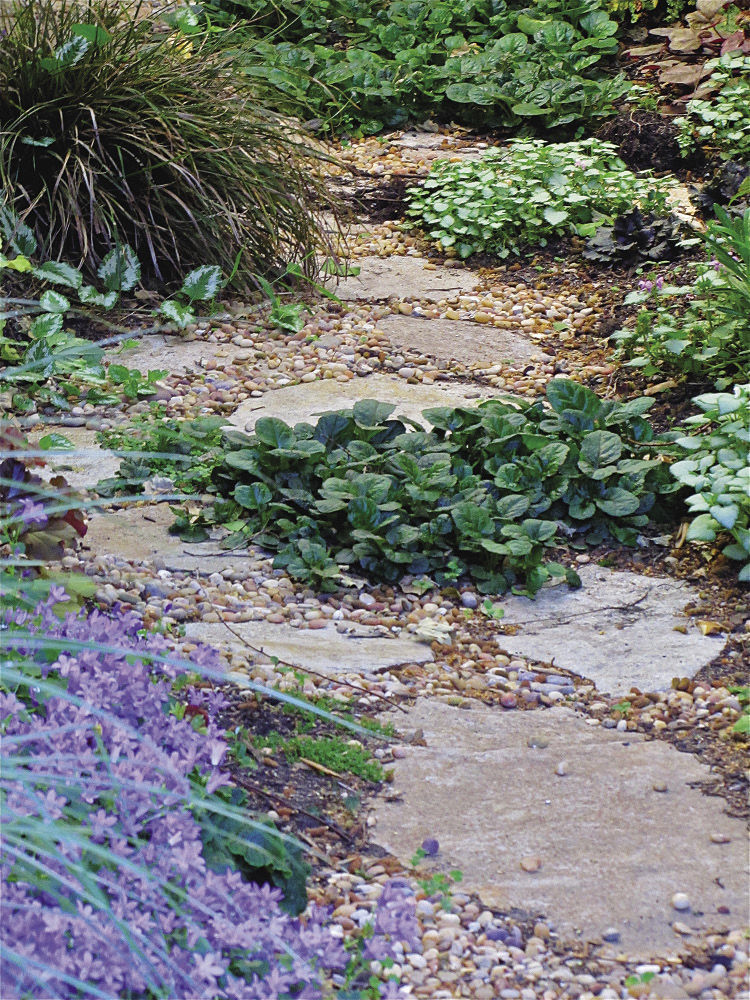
16,233
91,32
702,529
726,515
178,312
120,270
472,521
599,448
253,497
56,442
555,216
202,283
274,432
369,414
54,302
618,502
511,507
107,300
46,326
59,274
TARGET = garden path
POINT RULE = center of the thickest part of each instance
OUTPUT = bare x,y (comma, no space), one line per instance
594,846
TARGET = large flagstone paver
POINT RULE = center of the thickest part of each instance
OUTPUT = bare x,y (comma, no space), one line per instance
86,464
610,851
298,403
176,354
459,340
399,277
324,650
142,534
619,630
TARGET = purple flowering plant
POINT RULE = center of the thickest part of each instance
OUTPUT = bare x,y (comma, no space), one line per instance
113,803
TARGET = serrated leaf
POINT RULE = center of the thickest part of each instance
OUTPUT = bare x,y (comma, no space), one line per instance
90,296
178,312
555,216
58,273
54,302
46,326
202,283
120,270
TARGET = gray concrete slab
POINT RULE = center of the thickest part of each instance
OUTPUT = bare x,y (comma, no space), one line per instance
303,402
607,848
618,630
176,354
399,277
459,340
324,650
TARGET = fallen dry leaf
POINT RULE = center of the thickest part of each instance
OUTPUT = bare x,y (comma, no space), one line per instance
710,628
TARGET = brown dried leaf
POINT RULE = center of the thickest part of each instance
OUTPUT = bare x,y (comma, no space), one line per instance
683,75
644,50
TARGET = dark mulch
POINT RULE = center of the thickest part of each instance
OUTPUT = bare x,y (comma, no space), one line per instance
646,140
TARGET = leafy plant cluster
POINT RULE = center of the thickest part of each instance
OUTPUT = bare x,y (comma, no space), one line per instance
630,10
528,193
484,493
722,123
718,472
701,328
113,131
125,858
332,751
50,364
130,865
185,451
365,66
636,236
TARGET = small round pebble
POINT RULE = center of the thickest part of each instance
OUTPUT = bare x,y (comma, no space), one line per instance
611,935
680,901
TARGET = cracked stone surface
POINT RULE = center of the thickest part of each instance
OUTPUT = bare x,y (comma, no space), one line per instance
396,277
303,402
612,850
467,342
618,630
356,649
142,534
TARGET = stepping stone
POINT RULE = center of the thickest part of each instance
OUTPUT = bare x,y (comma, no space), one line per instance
403,277
618,630
469,343
305,401
595,848
141,534
174,354
87,464
325,650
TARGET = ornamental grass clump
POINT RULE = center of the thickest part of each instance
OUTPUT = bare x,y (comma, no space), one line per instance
123,846
114,131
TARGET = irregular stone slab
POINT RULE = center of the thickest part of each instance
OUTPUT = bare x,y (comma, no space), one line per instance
141,534
618,630
303,402
325,650
429,146
87,464
403,278
458,340
612,851
174,354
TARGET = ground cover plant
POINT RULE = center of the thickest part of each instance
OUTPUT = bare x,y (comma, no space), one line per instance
363,66
129,865
527,194
718,472
113,132
700,328
483,493
721,124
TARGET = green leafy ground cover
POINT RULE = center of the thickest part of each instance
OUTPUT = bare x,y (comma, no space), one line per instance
528,193
365,66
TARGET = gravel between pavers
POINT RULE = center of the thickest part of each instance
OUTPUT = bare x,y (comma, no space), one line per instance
469,951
